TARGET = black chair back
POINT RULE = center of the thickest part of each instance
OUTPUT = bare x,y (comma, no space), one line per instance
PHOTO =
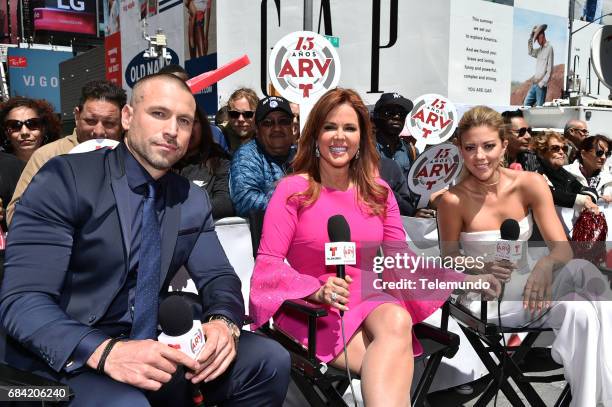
256,220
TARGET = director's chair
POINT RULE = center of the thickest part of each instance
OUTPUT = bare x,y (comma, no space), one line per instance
324,385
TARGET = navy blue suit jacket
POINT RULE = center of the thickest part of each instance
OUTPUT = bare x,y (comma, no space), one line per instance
68,253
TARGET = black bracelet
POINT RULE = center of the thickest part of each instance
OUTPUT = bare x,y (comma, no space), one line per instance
105,353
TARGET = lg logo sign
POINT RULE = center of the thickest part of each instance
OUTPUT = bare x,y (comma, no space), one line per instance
76,5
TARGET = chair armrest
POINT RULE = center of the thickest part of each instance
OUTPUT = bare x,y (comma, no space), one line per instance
312,312
305,307
435,339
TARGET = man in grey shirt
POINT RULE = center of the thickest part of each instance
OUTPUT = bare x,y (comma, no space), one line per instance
544,65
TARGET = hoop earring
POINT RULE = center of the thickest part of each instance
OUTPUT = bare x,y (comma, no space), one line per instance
317,153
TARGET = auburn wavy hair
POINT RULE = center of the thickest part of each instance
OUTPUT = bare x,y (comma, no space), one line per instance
362,169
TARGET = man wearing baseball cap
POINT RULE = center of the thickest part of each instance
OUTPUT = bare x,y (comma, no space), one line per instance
544,65
259,163
389,115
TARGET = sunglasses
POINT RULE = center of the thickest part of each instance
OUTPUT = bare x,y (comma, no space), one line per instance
388,114
235,114
283,122
34,123
558,148
600,153
522,131
582,131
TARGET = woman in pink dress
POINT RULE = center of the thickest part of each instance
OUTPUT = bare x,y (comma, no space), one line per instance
336,173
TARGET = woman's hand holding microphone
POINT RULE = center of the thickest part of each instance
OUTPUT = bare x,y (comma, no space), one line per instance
334,292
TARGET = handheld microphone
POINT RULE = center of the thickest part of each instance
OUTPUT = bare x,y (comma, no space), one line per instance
339,252
339,232
180,331
507,247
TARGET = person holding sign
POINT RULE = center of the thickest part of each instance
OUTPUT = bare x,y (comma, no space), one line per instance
336,172
569,297
389,116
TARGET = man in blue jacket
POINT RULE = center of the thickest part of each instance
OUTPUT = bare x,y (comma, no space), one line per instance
258,164
96,239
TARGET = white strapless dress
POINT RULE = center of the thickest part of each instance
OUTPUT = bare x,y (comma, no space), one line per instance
581,314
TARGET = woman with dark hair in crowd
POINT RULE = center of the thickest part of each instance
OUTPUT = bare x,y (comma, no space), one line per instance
207,165
589,167
336,171
551,149
572,297
28,124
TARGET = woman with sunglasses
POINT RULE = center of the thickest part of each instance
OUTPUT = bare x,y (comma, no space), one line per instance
589,166
240,127
567,191
27,124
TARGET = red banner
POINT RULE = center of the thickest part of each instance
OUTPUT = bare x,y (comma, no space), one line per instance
112,51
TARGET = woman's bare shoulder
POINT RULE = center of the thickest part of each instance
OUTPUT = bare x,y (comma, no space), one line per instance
452,198
530,181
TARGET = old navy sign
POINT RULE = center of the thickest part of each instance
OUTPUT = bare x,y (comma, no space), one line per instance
140,66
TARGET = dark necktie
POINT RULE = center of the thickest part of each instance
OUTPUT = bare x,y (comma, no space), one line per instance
149,265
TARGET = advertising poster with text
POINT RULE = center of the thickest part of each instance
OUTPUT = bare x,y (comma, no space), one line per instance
34,73
480,63
389,46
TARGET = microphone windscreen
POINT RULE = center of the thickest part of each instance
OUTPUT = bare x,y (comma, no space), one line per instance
510,230
338,229
175,316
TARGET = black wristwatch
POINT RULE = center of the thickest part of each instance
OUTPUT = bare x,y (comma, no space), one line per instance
234,330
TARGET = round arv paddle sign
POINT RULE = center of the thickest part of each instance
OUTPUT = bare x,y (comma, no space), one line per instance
435,169
432,120
303,66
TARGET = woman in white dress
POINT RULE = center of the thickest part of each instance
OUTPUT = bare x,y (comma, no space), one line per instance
470,215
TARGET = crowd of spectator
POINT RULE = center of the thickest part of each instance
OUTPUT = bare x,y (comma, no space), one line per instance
254,144
239,158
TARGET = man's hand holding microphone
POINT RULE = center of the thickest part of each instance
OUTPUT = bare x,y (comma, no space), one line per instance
205,350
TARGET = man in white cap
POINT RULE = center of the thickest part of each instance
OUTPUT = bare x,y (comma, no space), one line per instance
544,65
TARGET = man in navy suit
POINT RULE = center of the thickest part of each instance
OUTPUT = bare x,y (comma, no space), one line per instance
83,279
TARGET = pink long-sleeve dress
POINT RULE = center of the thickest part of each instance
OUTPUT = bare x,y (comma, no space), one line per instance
298,233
